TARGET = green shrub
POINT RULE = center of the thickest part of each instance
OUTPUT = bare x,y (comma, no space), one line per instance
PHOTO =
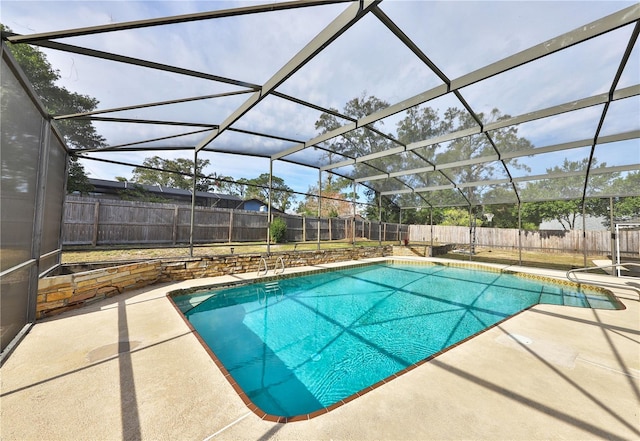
278,230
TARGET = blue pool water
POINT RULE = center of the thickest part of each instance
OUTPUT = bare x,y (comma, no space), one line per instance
301,344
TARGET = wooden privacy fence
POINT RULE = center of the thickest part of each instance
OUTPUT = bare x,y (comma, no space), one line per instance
596,242
90,221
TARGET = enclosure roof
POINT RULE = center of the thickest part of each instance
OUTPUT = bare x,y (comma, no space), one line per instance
476,102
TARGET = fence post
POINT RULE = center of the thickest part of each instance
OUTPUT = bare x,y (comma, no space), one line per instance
353,235
230,226
431,224
304,229
174,233
584,231
519,236
269,207
470,234
319,204
330,237
345,228
611,231
96,215
193,201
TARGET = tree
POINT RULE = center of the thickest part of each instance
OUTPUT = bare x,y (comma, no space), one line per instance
390,211
173,173
426,123
457,216
138,193
77,179
223,184
358,142
567,211
506,216
422,123
421,216
258,188
58,100
278,230
626,207
334,202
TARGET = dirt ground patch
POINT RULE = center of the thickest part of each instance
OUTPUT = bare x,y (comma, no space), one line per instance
561,261
108,254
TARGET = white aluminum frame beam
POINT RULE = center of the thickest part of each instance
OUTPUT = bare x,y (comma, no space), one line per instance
184,18
139,62
154,104
527,117
508,155
545,176
333,30
129,144
563,41
146,121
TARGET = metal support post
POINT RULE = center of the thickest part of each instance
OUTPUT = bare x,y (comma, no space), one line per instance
470,234
269,208
617,261
431,225
319,203
584,232
519,236
611,226
380,219
353,224
193,201
38,220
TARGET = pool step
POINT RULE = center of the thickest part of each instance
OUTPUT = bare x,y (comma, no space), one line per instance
565,297
270,288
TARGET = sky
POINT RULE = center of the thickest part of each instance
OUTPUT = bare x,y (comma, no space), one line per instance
458,36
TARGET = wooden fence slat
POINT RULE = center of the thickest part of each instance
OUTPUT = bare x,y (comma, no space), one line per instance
100,221
597,242
96,217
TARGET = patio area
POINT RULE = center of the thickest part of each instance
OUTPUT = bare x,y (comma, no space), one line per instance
130,368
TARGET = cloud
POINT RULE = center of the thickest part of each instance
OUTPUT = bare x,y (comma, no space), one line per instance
562,128
622,116
457,36
366,58
578,72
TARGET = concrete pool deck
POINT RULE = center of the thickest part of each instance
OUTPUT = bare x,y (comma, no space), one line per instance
129,367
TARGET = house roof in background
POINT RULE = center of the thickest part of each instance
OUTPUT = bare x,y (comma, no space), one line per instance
158,189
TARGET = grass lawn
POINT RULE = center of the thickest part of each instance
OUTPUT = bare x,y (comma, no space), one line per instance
107,254
560,261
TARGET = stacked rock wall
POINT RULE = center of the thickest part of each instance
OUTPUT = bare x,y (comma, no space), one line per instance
57,294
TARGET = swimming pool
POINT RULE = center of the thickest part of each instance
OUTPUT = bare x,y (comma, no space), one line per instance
296,346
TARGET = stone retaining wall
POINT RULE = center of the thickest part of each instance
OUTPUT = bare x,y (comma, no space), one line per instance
243,263
57,294
61,293
422,250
